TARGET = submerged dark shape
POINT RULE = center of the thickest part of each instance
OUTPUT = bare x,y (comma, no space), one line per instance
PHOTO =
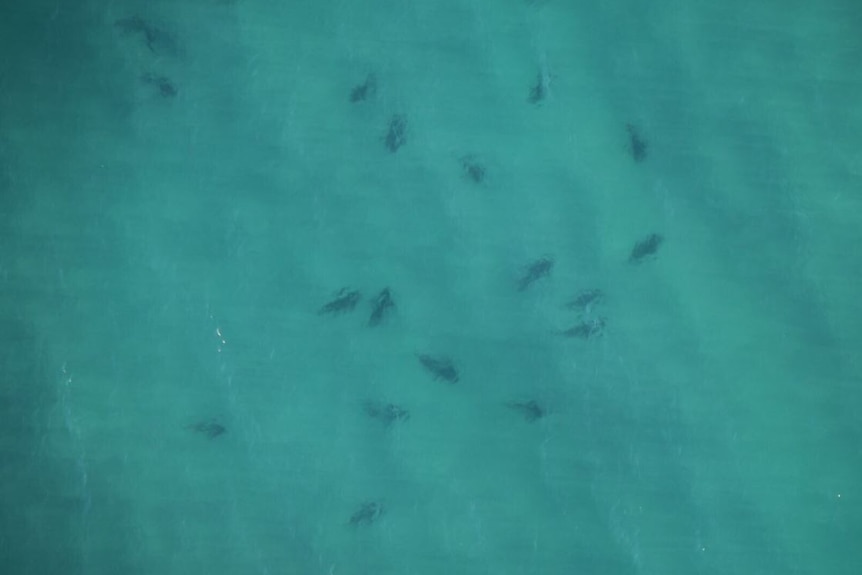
586,299
345,300
531,410
368,513
211,428
396,134
440,367
157,40
366,90
166,88
540,89
637,145
380,307
587,329
535,271
388,413
473,169
645,247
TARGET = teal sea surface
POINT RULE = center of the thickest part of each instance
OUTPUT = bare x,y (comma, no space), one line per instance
451,287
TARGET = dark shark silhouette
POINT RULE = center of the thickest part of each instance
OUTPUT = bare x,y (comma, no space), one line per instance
645,248
365,90
537,270
380,307
531,410
210,428
157,40
637,145
396,133
345,300
387,413
585,300
587,329
368,513
440,367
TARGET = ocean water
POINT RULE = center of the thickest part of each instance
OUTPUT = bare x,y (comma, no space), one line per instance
184,187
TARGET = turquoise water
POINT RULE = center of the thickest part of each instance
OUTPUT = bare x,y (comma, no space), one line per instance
183,192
